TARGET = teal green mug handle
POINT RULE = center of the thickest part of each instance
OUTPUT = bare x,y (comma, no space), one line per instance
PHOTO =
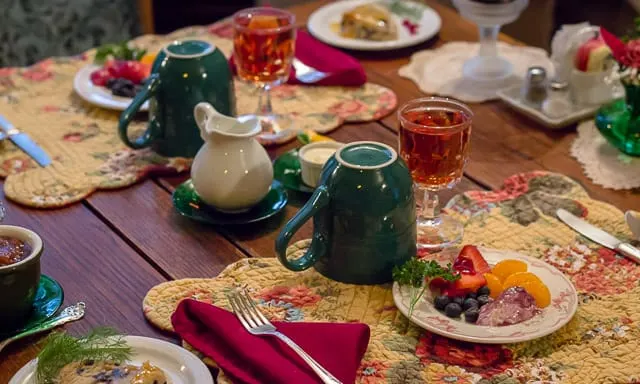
125,118
318,248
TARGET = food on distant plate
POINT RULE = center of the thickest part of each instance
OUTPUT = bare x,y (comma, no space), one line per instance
13,250
99,357
503,295
368,22
123,70
310,136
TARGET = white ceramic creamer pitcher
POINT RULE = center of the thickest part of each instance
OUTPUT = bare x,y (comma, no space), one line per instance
231,172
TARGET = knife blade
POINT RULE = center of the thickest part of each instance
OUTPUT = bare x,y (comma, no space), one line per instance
598,235
24,142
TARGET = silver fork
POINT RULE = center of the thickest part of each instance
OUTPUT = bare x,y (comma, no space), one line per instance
256,324
307,74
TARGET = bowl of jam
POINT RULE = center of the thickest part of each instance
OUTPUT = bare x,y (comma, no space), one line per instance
20,251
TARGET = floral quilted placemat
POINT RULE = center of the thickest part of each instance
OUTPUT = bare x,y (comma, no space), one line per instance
82,139
600,345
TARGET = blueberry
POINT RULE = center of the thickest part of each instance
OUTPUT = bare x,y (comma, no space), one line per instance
441,301
472,295
471,314
111,82
458,300
482,300
484,290
453,310
469,303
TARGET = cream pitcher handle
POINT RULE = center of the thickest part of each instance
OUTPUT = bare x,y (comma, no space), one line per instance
202,112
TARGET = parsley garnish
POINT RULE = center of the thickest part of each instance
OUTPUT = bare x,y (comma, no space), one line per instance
120,51
416,274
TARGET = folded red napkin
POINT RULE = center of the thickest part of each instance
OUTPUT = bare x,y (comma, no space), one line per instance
249,359
343,69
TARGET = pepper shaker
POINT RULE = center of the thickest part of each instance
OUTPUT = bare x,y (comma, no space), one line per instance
534,89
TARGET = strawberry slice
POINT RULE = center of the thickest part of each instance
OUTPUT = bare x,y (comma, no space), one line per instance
100,77
471,252
438,284
470,282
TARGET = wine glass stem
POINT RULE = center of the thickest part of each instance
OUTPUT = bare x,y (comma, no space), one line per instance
264,102
488,40
430,205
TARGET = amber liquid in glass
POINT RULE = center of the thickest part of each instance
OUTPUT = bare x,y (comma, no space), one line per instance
435,145
263,48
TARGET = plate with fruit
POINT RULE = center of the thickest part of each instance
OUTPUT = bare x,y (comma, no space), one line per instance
117,74
484,295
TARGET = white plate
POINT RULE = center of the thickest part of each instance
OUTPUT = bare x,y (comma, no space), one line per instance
100,96
321,21
180,365
564,303
577,113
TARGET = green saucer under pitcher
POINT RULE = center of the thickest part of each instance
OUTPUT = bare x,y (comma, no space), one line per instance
364,217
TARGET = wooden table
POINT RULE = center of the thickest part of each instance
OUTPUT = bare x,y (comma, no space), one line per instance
114,246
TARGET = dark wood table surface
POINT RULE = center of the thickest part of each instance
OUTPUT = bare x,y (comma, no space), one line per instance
114,246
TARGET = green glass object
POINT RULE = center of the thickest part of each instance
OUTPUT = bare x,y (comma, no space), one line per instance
619,122
184,74
48,300
286,169
364,217
189,204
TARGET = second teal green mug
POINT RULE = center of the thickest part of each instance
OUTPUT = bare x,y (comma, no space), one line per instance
184,74
364,217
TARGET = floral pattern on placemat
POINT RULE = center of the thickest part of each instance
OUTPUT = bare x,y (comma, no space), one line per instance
599,345
82,139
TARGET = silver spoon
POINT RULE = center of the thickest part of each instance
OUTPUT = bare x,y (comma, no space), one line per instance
71,313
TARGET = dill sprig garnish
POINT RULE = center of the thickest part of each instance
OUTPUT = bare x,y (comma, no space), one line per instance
101,344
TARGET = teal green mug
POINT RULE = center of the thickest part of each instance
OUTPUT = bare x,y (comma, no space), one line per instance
19,281
364,217
184,74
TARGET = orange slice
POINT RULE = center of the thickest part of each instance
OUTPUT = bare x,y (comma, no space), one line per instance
506,268
539,291
494,284
519,278
263,22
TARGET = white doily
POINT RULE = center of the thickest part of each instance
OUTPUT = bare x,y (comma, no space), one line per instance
602,162
439,71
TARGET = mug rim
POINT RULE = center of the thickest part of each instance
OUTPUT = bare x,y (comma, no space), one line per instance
211,48
34,240
394,155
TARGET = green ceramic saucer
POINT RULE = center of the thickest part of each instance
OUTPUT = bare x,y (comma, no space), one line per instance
286,169
189,204
47,302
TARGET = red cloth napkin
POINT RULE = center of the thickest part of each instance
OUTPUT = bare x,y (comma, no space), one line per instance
344,70
249,359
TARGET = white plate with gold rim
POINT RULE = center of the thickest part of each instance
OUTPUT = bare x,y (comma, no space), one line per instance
179,365
324,24
564,303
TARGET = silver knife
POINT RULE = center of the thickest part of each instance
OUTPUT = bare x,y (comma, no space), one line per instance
24,142
598,235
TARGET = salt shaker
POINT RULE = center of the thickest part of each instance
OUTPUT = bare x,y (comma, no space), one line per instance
534,89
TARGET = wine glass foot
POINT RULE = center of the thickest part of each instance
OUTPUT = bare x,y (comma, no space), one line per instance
271,124
487,69
439,233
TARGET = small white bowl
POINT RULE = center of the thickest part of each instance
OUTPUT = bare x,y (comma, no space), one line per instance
313,156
